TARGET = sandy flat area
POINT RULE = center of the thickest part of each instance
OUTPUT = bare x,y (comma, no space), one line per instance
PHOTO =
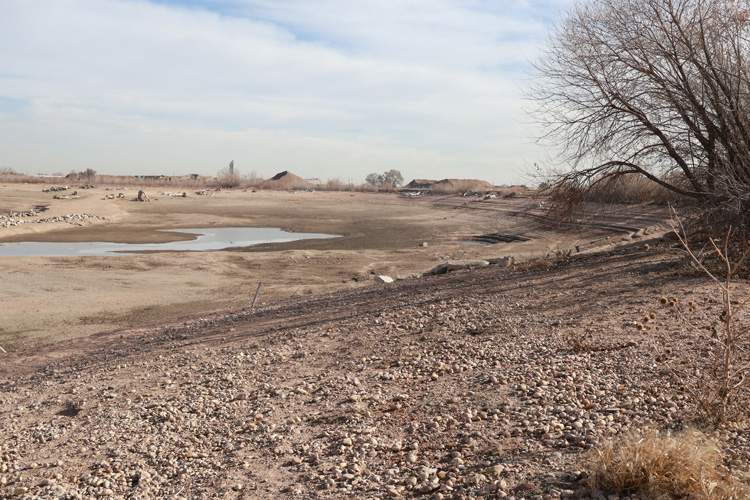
44,299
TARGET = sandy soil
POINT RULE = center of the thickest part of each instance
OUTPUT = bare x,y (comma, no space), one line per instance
49,299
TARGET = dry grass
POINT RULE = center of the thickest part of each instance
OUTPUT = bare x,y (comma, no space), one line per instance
567,199
721,391
629,189
665,467
224,182
12,178
578,339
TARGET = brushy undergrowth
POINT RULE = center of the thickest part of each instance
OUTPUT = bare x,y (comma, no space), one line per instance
664,467
721,388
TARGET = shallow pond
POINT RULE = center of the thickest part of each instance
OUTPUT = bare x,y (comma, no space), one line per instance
207,239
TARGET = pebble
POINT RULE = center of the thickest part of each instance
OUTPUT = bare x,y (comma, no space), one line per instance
415,404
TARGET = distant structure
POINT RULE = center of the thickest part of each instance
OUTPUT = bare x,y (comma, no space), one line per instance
231,167
449,184
421,184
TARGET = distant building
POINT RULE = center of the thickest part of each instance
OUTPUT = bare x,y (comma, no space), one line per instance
420,184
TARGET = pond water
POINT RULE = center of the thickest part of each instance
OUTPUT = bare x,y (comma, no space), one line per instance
207,239
476,242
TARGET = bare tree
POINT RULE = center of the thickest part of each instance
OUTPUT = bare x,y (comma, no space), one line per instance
375,179
654,88
393,178
89,174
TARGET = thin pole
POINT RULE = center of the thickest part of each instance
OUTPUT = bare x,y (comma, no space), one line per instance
256,295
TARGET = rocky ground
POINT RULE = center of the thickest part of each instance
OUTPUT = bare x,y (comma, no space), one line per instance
492,383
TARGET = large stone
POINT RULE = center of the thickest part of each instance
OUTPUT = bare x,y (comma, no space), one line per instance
439,269
401,277
502,261
383,279
458,265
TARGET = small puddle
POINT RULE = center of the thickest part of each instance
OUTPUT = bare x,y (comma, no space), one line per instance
492,239
476,242
207,239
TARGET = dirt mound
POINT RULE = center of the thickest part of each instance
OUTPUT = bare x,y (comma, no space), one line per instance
421,184
287,180
464,184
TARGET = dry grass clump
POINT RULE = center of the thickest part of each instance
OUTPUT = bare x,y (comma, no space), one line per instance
629,189
665,467
578,339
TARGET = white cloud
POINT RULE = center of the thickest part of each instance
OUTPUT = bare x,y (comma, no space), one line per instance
327,88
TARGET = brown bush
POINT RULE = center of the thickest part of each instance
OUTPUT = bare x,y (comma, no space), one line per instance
629,189
664,466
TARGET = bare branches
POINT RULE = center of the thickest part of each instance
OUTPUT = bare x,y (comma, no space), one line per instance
722,391
652,87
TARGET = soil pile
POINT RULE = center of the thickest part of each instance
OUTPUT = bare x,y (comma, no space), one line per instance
464,184
288,180
451,185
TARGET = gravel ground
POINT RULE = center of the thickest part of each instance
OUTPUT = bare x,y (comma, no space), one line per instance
491,383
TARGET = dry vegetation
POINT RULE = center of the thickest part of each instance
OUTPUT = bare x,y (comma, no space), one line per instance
664,466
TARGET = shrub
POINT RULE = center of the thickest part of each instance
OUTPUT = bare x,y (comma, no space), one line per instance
720,388
664,466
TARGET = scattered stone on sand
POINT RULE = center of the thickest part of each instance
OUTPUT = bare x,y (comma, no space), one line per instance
456,265
410,276
383,279
508,261
73,219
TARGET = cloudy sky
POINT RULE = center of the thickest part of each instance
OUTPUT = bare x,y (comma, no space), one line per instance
323,88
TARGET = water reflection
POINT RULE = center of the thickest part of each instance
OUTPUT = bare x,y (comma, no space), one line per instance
207,239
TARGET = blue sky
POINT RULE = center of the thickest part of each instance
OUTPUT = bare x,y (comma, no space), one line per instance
324,88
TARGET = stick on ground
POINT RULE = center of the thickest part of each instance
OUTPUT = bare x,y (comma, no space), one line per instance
256,295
